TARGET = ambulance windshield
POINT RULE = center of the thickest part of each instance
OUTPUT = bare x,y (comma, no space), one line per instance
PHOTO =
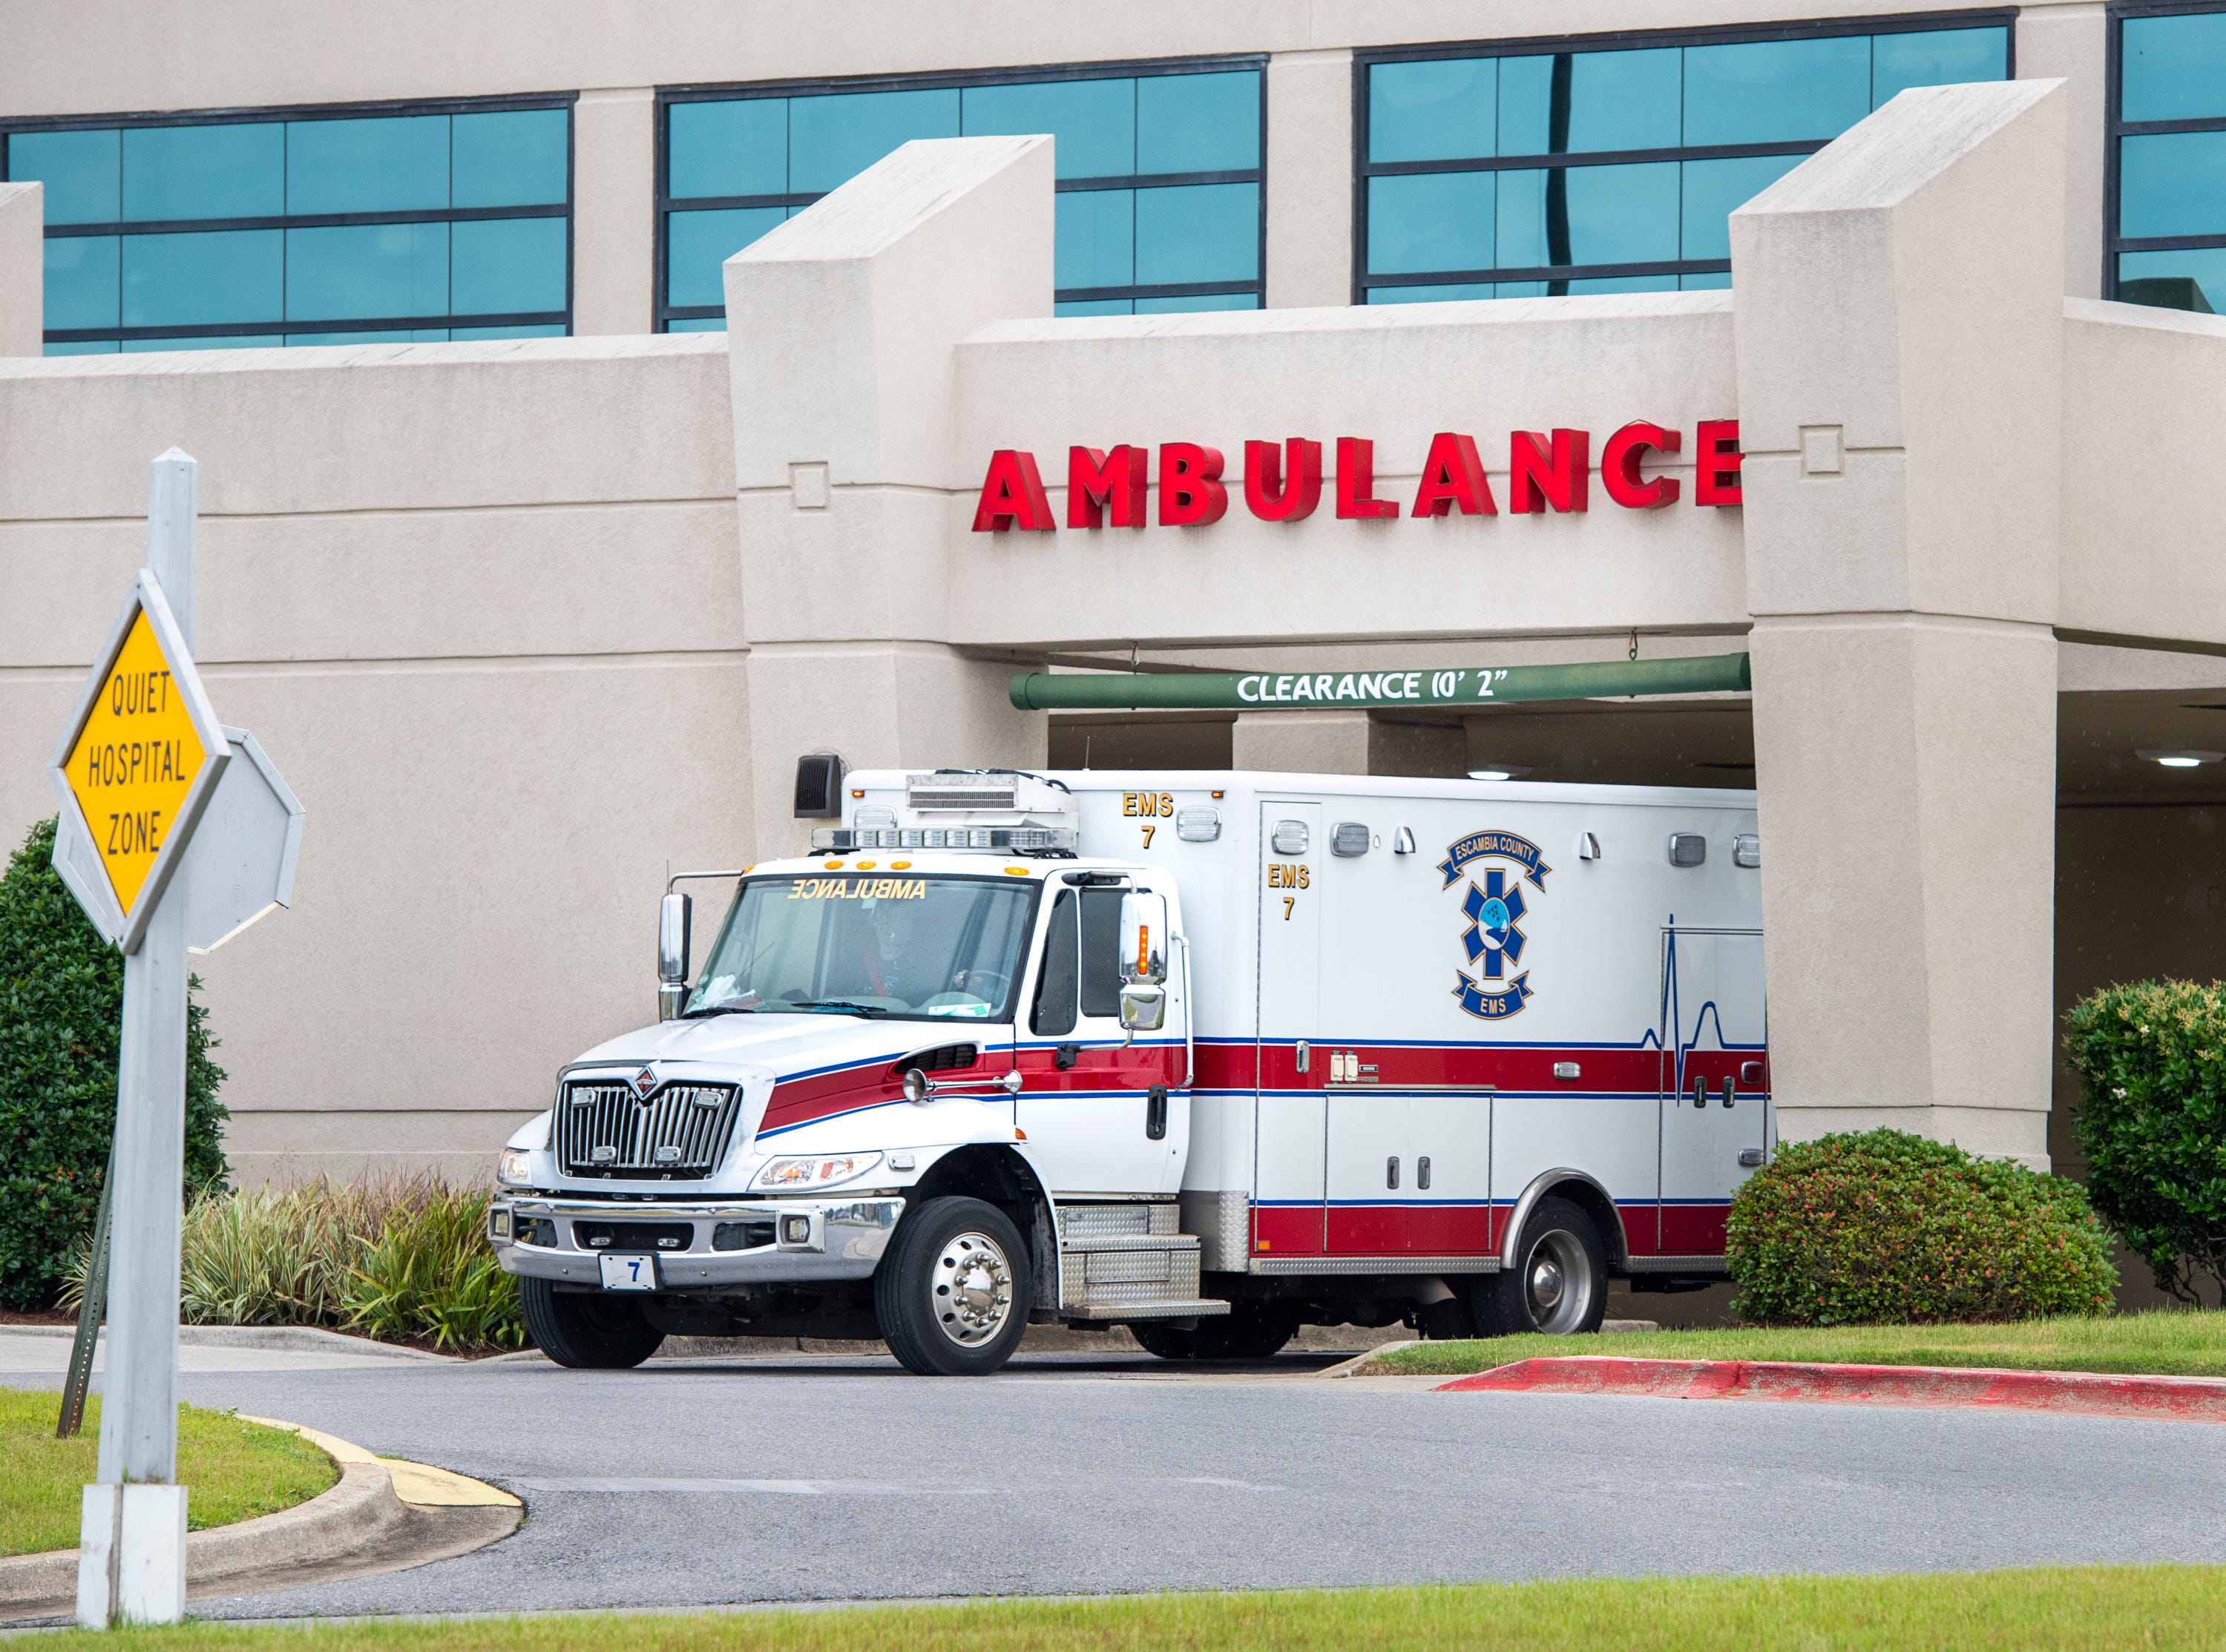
906,947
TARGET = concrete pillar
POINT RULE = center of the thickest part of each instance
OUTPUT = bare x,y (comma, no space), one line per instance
843,327
1300,742
22,269
613,210
1309,179
1899,323
2071,43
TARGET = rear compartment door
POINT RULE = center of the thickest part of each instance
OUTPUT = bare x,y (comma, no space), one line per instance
1714,1081
1289,1122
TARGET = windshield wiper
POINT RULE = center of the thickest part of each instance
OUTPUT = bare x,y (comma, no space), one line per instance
843,1004
722,1009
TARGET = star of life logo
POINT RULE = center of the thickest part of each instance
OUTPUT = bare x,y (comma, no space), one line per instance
1495,908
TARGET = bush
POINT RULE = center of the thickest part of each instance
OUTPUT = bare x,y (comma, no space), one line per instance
1885,1227
61,1003
404,1259
2151,1060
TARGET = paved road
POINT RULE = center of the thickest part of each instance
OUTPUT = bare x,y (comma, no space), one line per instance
800,1479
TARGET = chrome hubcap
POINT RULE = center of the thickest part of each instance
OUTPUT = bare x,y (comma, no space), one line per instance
973,1287
1557,1282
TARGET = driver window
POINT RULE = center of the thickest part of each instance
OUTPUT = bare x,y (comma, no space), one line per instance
1053,1014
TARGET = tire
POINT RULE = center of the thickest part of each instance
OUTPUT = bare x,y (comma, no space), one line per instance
952,1294
1249,1331
586,1331
1559,1283
1164,1341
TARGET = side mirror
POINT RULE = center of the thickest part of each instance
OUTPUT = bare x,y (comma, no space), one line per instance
1143,940
674,915
1143,1006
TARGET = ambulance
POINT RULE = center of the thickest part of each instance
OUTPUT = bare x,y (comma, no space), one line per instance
1211,1055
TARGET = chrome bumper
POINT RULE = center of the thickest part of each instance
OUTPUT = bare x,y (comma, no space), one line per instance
837,1239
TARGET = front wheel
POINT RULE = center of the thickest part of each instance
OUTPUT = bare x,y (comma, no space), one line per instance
586,1330
1558,1284
953,1292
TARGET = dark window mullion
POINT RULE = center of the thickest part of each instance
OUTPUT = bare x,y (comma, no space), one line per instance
240,329
2166,243
1556,272
1589,158
1148,289
304,221
2166,128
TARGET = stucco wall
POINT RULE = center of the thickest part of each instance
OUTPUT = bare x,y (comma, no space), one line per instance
480,604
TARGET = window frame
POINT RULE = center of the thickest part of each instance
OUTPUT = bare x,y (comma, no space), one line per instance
567,101
2116,128
2002,17
665,314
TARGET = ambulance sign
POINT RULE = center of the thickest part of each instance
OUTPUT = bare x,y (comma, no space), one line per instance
141,757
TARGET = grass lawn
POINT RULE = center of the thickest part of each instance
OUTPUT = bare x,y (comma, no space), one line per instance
233,1469
2056,1607
2161,1343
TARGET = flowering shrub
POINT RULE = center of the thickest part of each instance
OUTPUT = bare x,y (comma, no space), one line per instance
2152,1058
1886,1228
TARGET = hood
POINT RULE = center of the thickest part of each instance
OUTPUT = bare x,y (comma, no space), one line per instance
789,1044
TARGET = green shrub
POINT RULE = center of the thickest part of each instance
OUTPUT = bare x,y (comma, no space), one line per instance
1885,1227
2151,1060
61,1003
430,1273
403,1259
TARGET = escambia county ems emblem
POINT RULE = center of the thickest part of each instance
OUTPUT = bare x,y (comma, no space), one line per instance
1493,941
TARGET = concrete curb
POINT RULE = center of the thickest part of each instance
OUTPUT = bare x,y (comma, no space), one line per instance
2157,1399
383,1514
306,1340
1353,1367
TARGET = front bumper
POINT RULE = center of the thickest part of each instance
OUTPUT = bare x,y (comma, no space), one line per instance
837,1239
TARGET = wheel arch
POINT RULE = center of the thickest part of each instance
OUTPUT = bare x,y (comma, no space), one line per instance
995,1173
1581,1190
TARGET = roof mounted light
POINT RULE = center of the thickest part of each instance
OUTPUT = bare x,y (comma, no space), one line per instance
1020,840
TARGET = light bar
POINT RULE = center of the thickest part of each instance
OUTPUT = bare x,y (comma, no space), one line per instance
1023,839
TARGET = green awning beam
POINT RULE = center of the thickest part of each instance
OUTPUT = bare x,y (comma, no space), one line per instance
1464,685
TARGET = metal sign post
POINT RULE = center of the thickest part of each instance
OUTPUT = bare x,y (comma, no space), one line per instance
144,772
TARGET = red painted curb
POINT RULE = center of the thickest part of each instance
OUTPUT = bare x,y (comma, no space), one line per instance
2166,1399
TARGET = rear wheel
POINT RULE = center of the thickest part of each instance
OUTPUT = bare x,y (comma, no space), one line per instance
1248,1330
586,1330
1166,1341
1558,1284
953,1292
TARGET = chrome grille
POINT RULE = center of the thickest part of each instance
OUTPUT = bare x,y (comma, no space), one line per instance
681,1130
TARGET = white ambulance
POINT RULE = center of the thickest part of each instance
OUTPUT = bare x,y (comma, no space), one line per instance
1210,1055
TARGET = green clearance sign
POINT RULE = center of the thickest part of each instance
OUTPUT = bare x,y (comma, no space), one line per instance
1462,685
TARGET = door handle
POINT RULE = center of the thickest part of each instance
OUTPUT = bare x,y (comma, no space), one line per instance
1155,1113
1750,1157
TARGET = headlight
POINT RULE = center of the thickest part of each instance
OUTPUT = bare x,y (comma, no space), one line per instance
510,1169
788,1174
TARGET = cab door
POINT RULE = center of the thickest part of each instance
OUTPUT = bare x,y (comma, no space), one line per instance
1289,1122
1102,1113
1714,1083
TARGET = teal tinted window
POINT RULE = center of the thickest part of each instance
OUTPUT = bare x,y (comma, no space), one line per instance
81,281
1434,110
1464,196
1768,92
1199,232
697,244
1176,305
1197,122
1159,177
390,165
250,231
739,148
358,272
173,172
2167,247
1584,102
2173,68
832,139
512,157
187,280
83,173
1092,123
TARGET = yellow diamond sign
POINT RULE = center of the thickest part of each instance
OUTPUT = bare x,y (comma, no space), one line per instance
141,759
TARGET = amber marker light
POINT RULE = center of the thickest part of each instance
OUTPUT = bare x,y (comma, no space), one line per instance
833,866
866,865
899,866
1017,870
